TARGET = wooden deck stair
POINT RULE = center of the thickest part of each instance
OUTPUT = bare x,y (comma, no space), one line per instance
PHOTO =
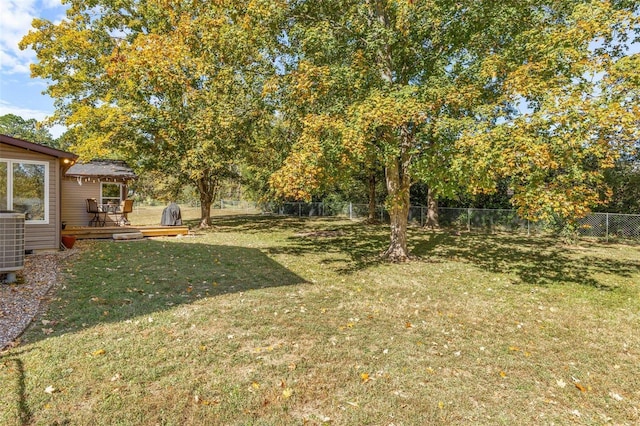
89,232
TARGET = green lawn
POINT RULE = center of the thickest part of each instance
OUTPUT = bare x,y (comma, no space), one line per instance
151,215
271,321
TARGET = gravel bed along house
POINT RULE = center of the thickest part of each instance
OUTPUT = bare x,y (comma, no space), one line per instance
20,302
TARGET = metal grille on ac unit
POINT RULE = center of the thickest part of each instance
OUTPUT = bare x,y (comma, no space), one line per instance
11,241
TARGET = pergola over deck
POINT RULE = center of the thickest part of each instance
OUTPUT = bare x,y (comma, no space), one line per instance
101,170
106,181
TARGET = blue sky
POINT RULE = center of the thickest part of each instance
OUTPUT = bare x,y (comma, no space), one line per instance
19,93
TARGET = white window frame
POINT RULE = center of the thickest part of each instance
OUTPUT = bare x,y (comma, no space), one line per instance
102,201
10,163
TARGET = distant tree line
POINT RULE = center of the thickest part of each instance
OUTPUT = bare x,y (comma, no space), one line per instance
27,129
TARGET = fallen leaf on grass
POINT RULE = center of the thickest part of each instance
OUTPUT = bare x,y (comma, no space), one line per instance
50,390
287,393
200,401
99,352
503,374
348,325
580,387
616,396
364,377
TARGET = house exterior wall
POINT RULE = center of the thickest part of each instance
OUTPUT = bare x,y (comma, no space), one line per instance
44,236
74,210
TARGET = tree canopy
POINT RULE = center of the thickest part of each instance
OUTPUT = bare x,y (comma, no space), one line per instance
30,130
170,85
462,96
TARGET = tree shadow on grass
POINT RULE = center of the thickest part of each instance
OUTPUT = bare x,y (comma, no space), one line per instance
533,260
116,281
353,246
354,243
264,223
15,390
252,223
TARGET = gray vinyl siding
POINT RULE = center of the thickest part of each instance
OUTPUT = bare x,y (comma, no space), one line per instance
74,209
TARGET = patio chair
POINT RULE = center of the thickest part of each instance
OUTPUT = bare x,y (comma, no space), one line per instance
99,217
126,207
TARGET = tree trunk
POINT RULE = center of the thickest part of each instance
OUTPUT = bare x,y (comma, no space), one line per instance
206,199
207,187
205,213
432,210
398,186
398,178
398,204
372,198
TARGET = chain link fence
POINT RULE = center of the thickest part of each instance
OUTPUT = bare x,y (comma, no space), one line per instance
601,225
610,225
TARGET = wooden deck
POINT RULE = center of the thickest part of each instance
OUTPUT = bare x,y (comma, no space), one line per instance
90,232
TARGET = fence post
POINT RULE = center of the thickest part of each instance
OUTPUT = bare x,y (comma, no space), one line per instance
468,220
607,229
350,211
528,230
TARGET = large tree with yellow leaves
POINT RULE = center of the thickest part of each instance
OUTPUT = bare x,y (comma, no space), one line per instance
457,94
172,85
460,94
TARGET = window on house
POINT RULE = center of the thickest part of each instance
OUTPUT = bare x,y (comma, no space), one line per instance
23,188
111,193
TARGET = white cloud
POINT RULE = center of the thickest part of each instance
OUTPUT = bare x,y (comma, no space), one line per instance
51,4
15,21
16,17
26,113
57,130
